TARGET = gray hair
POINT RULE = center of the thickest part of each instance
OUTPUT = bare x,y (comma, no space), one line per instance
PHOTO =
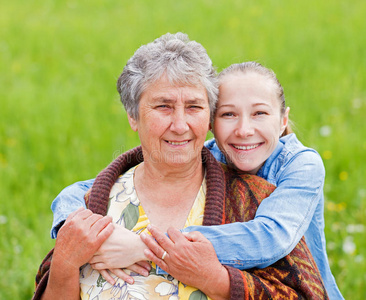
254,67
184,62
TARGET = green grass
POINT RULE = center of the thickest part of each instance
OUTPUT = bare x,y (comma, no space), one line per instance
61,120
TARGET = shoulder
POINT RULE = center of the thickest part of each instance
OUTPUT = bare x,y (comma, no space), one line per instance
297,161
296,148
247,183
295,153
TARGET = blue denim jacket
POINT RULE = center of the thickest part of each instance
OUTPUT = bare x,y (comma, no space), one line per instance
294,209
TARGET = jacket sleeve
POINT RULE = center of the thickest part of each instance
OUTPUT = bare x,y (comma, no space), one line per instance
69,200
280,221
293,277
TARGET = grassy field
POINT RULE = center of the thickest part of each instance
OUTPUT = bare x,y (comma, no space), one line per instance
61,120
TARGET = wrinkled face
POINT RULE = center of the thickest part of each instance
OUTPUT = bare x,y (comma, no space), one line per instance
173,123
248,123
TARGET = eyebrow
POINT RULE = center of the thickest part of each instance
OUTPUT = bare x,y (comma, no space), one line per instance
261,103
233,105
167,100
225,105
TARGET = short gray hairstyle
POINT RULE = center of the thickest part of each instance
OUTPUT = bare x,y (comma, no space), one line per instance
183,61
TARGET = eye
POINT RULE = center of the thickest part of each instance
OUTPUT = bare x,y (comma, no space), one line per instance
260,113
162,106
227,114
194,107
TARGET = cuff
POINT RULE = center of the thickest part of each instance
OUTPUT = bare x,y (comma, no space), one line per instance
238,284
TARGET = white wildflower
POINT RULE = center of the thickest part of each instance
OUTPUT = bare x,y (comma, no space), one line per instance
325,131
349,246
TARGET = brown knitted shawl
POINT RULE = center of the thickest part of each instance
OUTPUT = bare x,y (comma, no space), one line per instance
230,197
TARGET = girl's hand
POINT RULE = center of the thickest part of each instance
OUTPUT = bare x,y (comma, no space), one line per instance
122,249
143,268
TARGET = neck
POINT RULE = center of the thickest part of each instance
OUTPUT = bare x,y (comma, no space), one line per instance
167,196
154,174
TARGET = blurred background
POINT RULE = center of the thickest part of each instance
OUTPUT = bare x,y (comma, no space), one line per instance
61,120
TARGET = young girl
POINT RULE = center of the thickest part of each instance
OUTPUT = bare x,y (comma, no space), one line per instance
251,132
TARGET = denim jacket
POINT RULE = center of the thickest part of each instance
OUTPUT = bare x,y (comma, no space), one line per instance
293,210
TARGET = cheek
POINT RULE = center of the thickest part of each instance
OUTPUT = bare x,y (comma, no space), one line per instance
223,128
216,128
221,132
200,122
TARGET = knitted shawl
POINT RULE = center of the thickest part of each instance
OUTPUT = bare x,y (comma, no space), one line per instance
230,197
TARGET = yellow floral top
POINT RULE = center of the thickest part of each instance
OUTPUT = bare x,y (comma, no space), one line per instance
125,209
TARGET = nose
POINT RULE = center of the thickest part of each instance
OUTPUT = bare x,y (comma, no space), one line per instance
179,123
245,128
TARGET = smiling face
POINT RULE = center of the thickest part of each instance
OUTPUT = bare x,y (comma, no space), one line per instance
248,122
173,123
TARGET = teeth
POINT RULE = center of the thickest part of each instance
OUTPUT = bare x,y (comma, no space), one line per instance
245,147
178,143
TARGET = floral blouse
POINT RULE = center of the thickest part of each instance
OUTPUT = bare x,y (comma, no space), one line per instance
126,210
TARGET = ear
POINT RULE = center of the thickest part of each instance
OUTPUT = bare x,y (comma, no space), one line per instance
284,120
133,122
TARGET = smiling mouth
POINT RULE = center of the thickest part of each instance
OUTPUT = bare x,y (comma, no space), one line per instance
246,147
177,143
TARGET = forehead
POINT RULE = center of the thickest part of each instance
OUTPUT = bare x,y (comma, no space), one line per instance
163,90
248,86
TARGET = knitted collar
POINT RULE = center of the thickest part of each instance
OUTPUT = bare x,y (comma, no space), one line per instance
215,180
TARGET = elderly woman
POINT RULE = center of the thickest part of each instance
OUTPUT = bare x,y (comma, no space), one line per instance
169,90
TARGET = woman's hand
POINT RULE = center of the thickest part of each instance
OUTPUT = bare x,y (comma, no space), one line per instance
78,239
81,236
190,258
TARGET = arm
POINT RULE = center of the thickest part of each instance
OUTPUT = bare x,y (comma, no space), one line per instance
280,222
191,259
69,200
107,256
79,238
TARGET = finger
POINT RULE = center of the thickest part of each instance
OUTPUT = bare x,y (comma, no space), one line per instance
176,236
84,214
158,261
123,275
74,213
146,265
161,238
98,265
194,236
92,219
107,276
152,244
102,232
138,269
97,258
101,224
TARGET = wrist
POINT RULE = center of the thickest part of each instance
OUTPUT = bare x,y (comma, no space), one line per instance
63,279
140,255
61,262
219,285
